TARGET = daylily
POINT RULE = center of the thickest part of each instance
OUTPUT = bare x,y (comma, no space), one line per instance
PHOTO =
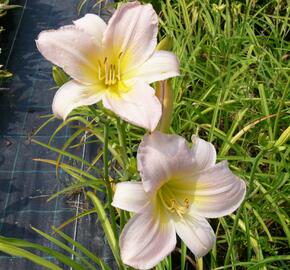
114,63
180,188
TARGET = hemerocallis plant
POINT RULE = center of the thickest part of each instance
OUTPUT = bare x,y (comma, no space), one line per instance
180,188
113,63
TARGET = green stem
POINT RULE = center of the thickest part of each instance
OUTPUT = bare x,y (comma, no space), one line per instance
107,181
199,263
183,256
280,107
248,235
122,142
255,165
122,220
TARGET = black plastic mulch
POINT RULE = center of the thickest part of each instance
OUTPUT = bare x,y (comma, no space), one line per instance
25,185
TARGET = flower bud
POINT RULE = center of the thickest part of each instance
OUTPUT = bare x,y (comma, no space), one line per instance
283,138
165,44
165,95
59,76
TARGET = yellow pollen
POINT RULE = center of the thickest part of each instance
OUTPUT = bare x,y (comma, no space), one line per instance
186,203
109,73
173,205
179,209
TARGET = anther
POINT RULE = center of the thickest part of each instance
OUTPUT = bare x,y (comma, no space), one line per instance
186,203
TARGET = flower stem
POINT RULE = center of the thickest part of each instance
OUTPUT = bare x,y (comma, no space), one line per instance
183,255
122,220
122,142
199,263
106,178
165,95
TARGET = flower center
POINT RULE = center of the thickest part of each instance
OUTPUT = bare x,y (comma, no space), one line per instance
173,203
108,72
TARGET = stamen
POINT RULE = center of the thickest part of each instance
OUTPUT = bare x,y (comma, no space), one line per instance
179,209
173,205
110,75
119,66
106,71
162,199
100,71
113,81
186,203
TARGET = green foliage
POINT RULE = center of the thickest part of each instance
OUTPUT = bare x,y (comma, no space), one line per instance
84,259
4,73
105,4
233,91
4,7
59,76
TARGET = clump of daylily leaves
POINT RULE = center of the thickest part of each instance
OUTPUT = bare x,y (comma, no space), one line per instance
181,186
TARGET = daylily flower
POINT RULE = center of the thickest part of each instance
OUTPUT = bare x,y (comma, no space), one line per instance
180,188
114,63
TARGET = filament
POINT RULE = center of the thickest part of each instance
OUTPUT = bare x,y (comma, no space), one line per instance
110,73
106,71
171,204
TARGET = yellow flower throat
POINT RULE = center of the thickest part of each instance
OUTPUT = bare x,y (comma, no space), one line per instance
172,203
109,73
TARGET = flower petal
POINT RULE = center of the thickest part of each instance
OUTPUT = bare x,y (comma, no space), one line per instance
71,49
145,241
204,153
72,95
138,106
161,157
160,66
218,192
130,196
93,25
132,31
196,233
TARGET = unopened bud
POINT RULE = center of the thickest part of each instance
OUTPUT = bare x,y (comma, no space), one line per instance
165,44
283,138
165,95
59,76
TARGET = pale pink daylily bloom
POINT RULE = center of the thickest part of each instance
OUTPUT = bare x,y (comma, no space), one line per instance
112,62
180,188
